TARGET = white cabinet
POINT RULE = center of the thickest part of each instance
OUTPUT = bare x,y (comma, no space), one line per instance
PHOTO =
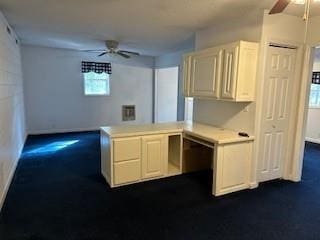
126,160
153,156
225,72
206,73
232,167
229,79
186,74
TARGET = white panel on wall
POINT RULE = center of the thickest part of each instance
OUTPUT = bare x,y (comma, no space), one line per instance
55,98
12,121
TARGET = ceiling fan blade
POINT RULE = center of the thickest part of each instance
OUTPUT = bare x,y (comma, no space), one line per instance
129,52
101,54
123,55
279,6
97,50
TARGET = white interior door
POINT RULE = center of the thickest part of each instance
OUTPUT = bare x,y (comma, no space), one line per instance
166,94
276,111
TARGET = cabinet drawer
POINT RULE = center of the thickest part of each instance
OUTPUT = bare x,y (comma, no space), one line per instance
126,149
128,171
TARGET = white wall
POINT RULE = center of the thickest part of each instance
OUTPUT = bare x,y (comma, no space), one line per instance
172,60
12,123
54,91
313,126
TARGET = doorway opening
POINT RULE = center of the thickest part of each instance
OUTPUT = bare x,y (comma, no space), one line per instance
166,94
311,159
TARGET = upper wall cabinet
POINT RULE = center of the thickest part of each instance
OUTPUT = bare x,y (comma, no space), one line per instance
226,72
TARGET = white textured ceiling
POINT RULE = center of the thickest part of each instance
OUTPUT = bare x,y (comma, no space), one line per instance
152,27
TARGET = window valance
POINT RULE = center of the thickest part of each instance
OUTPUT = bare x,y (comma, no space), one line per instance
97,67
316,78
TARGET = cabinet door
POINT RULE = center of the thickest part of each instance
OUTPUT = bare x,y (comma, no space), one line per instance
186,74
153,156
230,71
206,73
232,166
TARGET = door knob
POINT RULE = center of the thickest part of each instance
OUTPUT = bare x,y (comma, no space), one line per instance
273,126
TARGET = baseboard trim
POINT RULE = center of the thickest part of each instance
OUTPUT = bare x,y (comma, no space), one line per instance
253,185
52,131
313,140
11,175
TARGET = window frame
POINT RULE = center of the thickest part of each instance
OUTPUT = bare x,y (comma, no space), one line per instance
95,95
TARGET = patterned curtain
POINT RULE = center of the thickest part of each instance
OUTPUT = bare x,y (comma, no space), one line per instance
316,78
97,67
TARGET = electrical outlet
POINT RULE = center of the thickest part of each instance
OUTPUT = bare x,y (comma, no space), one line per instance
246,109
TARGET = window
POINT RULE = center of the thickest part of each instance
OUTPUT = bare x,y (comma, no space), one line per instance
96,84
315,96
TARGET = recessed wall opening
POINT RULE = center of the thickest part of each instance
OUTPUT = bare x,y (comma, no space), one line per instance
196,156
174,154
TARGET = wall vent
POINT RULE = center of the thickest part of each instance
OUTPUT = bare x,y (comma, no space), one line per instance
128,112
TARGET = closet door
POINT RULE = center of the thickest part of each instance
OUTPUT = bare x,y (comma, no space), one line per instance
230,72
206,73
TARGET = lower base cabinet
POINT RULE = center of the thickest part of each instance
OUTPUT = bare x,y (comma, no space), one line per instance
232,168
126,160
128,171
153,156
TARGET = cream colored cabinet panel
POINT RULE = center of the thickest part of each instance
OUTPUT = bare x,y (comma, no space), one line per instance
153,156
106,161
125,149
230,67
226,72
206,73
186,75
128,171
232,167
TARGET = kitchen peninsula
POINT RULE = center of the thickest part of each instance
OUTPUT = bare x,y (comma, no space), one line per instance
136,153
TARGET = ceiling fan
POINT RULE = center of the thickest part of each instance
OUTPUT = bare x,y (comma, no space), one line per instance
281,5
112,48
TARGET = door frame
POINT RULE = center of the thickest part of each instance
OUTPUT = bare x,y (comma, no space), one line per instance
303,107
289,171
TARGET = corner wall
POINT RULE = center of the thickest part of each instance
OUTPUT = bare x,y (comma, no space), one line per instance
172,60
12,120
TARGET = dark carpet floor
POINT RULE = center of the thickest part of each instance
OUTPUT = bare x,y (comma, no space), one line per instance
58,193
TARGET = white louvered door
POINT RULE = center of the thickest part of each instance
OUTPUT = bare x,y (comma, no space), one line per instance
277,98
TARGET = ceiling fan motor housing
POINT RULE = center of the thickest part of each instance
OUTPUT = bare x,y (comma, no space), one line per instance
112,45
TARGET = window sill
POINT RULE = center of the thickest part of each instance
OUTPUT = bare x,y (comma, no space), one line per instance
314,107
97,95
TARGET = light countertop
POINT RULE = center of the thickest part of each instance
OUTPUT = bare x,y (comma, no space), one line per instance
206,132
